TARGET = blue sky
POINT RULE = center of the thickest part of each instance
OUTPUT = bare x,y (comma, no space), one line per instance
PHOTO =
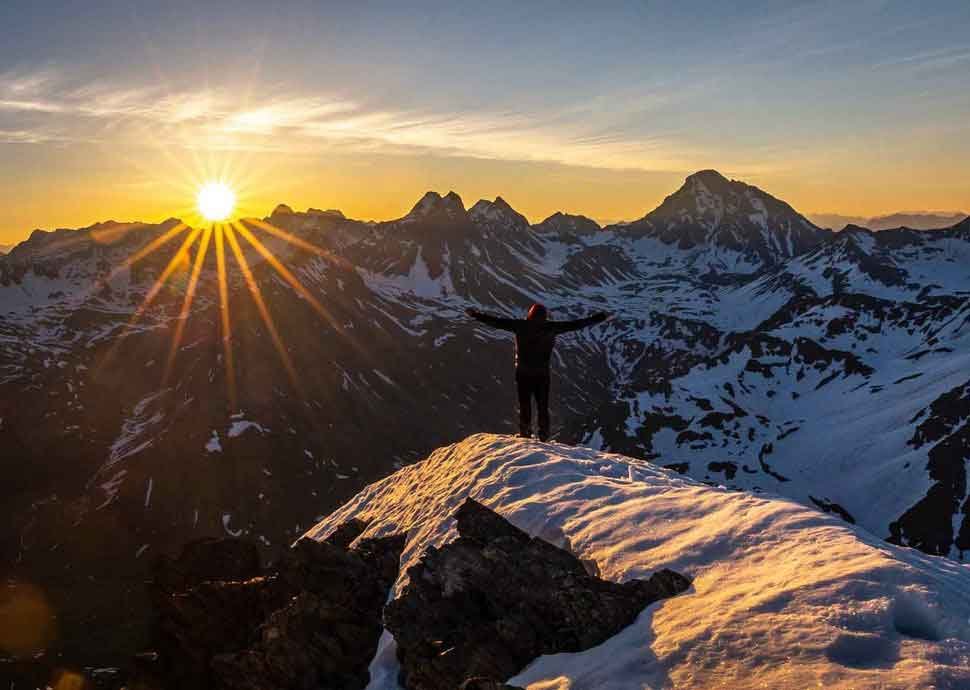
858,107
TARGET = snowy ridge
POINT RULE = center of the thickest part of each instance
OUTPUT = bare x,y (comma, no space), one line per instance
783,595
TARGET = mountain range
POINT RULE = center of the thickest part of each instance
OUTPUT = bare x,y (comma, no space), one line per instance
750,349
915,220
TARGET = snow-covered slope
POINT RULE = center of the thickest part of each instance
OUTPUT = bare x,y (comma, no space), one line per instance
783,596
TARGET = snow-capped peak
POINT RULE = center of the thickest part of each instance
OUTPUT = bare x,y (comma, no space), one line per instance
497,212
560,223
739,224
433,204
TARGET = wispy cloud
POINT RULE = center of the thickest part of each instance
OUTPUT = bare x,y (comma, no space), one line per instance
10,136
301,123
927,60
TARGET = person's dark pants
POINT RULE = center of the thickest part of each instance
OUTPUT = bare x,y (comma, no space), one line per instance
533,386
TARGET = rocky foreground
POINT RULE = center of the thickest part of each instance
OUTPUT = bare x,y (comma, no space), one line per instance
565,580
474,613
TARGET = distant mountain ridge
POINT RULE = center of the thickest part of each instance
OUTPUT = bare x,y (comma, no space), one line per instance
673,206
912,220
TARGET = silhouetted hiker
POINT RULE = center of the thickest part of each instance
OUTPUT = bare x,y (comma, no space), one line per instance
535,337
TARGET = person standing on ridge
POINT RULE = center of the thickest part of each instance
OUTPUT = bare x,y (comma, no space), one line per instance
535,338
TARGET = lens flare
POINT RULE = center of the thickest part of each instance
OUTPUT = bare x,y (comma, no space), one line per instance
27,622
216,201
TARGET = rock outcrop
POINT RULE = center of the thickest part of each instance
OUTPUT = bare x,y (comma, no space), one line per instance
486,684
207,559
312,621
480,608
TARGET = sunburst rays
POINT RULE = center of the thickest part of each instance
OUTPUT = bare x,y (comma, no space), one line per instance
183,316
225,323
284,272
261,307
191,258
291,279
178,258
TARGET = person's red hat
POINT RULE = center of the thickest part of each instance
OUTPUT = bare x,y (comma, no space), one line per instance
537,312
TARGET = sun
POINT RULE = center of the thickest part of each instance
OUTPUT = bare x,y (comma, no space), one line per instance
229,231
216,201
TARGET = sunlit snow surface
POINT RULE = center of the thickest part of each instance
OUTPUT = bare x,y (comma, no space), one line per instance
783,597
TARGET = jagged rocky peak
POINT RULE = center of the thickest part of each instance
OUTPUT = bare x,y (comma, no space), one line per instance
329,213
868,241
567,223
709,198
711,210
433,204
39,236
856,234
852,228
710,177
497,212
62,243
285,210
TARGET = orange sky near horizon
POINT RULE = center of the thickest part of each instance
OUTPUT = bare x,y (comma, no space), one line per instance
382,187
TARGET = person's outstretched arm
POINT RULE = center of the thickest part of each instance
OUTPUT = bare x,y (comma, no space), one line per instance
575,325
494,321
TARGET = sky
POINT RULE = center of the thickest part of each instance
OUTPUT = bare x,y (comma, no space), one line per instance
120,109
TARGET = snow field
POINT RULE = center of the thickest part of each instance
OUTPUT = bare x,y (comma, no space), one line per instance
783,595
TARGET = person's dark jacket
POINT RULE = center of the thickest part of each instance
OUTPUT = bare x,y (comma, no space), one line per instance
535,338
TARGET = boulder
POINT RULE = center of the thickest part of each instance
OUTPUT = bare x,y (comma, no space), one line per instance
311,621
479,683
207,559
483,606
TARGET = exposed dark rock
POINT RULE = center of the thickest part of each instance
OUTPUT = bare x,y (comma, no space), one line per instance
207,559
489,602
929,524
832,507
728,468
766,450
312,621
486,684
